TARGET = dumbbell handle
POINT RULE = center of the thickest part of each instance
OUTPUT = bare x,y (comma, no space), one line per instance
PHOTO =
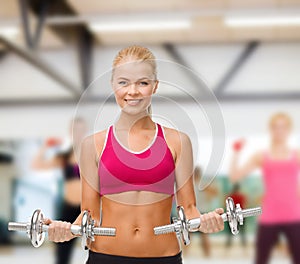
194,224
75,229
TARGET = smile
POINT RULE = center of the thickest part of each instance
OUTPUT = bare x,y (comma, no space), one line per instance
133,102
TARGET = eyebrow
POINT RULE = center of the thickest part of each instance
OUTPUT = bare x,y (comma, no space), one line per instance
143,78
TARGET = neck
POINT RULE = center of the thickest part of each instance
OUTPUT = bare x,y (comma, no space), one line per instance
278,145
127,122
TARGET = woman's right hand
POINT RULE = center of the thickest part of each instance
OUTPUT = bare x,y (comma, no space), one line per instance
238,145
59,231
52,142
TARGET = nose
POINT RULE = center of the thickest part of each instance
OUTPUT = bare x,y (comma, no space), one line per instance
132,89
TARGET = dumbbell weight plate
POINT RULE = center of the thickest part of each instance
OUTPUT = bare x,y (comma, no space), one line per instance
184,228
84,224
232,216
35,233
87,225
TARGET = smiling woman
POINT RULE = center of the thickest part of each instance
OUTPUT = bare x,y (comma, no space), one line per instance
125,72
131,171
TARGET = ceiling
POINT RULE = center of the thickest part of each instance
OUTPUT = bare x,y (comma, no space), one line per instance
206,42
206,20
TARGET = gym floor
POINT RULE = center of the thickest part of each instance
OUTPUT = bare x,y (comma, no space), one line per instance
235,255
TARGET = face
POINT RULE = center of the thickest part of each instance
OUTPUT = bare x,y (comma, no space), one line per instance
133,84
280,130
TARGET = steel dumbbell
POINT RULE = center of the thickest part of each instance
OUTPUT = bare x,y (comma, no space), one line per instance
182,226
36,229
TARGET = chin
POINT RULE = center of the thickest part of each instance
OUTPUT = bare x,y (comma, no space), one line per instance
133,112
281,139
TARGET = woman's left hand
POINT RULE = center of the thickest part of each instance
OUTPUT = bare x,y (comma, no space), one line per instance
212,222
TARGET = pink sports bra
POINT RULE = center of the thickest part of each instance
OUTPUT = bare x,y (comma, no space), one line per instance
121,170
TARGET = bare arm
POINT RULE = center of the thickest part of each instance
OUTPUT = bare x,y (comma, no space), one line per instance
210,222
237,172
184,176
39,162
90,193
90,199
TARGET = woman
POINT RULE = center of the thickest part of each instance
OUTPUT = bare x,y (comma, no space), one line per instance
280,169
65,160
129,171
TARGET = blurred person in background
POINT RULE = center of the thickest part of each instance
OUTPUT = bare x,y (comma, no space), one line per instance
65,159
206,200
280,166
238,198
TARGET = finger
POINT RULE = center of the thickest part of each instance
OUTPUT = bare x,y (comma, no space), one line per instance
203,223
67,231
62,231
212,222
219,210
50,232
207,224
55,231
47,221
220,222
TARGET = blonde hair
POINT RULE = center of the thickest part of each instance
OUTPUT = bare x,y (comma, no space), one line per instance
280,115
137,53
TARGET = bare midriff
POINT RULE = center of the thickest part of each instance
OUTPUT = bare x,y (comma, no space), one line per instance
134,229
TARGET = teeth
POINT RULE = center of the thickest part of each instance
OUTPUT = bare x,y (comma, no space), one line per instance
133,101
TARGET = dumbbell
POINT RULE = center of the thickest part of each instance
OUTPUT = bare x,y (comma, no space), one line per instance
36,229
182,226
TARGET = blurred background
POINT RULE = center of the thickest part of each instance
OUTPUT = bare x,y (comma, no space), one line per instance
247,52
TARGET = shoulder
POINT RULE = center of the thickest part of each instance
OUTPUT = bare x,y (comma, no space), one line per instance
95,142
176,138
258,157
174,133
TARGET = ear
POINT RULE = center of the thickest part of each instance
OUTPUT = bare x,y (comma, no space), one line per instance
155,86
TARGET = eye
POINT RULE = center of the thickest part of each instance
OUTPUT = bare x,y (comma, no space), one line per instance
144,83
122,83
